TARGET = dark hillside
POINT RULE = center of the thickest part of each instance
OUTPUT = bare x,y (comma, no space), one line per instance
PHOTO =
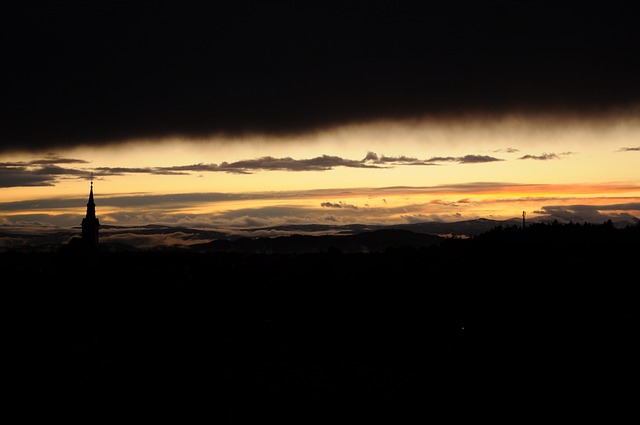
514,323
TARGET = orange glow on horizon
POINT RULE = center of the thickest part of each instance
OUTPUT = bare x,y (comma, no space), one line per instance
385,172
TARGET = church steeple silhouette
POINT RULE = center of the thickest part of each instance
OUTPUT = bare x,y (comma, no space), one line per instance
90,224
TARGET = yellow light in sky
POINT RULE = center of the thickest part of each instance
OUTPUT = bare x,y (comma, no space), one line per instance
474,168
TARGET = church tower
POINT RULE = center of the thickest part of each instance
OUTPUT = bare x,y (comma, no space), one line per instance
90,224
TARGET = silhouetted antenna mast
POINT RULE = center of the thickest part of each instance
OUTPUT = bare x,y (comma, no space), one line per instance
523,214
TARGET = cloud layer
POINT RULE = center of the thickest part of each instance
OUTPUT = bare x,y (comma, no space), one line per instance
96,72
50,169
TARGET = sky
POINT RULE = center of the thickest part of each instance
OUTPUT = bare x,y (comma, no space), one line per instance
253,115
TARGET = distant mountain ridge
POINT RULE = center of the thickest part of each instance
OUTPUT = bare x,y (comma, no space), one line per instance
462,228
366,241
459,228
281,238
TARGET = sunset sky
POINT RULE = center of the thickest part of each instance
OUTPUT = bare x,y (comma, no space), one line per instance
276,113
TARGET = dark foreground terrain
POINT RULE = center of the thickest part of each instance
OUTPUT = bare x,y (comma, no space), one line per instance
515,324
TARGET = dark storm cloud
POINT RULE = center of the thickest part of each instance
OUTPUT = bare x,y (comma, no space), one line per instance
636,149
467,159
120,171
546,156
21,176
132,200
96,72
338,205
53,159
46,172
265,163
321,163
373,158
474,159
590,213
40,172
